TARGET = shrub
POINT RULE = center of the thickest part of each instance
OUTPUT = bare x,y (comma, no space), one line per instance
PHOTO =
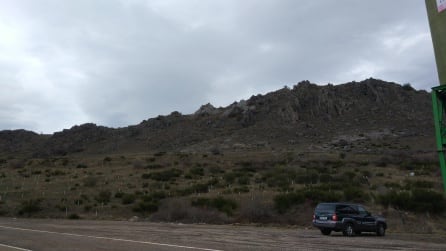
349,175
78,202
17,163
215,150
244,180
199,171
159,154
74,217
154,166
366,173
138,164
325,178
128,199
419,184
255,210
154,196
242,189
380,174
81,165
392,185
87,208
29,207
119,194
281,177
146,207
246,168
216,170
309,177
230,177
283,202
90,181
180,210
85,197
103,197
355,194
198,188
418,200
428,201
220,203
149,203
58,173
166,175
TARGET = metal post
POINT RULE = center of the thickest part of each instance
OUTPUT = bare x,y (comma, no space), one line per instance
439,105
436,11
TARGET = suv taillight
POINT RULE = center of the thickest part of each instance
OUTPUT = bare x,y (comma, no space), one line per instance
334,217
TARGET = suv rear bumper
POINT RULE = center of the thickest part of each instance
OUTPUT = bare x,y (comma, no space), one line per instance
328,224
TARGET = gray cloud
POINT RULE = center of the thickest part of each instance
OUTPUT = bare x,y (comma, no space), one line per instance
117,62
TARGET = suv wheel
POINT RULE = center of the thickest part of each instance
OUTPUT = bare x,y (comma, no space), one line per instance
349,230
325,231
381,230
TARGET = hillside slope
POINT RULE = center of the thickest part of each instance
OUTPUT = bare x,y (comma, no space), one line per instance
269,159
308,116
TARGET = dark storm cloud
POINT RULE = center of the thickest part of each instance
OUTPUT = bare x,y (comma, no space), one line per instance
116,63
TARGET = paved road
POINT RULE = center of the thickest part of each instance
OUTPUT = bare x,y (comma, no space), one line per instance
62,235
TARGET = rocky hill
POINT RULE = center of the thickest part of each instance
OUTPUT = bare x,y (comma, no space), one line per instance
367,116
268,159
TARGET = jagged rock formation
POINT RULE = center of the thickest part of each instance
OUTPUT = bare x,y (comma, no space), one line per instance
357,116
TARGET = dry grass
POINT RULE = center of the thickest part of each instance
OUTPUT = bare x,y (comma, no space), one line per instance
72,185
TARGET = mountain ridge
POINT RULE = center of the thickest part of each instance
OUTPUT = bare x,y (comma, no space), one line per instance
307,115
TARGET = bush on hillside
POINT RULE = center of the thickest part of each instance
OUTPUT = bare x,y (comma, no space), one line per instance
220,203
29,207
166,175
417,200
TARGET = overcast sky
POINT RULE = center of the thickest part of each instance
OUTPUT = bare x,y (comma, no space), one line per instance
118,62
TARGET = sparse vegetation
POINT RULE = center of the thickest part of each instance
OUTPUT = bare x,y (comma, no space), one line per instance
283,202
221,192
417,200
166,175
220,203
128,199
103,196
29,207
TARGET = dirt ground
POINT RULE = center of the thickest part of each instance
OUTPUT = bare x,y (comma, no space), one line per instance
61,235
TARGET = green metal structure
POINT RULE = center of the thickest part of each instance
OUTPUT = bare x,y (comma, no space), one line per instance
437,21
439,105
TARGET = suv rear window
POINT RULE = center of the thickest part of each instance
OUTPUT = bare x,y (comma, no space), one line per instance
325,208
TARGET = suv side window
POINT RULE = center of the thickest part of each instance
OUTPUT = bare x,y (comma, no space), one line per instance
345,209
362,211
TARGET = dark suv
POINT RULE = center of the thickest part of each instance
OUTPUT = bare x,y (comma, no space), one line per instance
351,219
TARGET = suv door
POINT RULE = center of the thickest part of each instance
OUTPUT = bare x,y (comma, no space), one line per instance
345,211
367,220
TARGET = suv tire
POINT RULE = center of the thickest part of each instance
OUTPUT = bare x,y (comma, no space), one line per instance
349,230
380,230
